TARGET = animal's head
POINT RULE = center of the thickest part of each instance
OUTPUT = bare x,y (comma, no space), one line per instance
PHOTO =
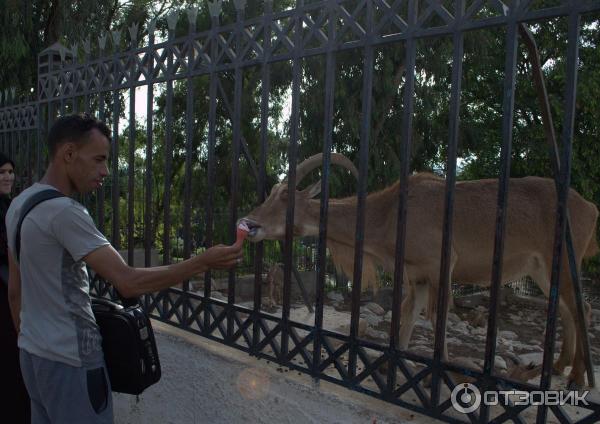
267,221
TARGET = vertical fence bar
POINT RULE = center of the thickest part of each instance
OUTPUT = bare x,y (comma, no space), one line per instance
212,124
131,177
38,148
29,164
189,146
49,123
115,237
100,191
148,225
503,186
323,214
440,349
235,160
168,157
86,110
262,177
367,101
168,152
405,153
288,250
148,209
561,207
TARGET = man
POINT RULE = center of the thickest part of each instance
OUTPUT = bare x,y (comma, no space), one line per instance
60,345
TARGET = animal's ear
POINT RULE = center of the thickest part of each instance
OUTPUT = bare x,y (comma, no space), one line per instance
312,190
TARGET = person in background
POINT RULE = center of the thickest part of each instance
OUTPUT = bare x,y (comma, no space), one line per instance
15,401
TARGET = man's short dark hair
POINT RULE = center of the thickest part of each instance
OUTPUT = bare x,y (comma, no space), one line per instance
75,129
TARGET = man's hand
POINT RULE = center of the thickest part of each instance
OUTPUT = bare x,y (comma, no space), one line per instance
221,256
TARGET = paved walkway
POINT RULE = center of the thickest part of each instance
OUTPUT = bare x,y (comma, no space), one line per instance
206,382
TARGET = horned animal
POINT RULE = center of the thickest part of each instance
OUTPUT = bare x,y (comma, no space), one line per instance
530,224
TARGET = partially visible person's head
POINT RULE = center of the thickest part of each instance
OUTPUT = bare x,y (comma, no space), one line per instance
7,174
80,145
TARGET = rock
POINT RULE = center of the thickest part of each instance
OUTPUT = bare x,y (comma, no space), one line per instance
466,362
532,358
460,327
479,331
375,308
371,319
362,328
452,317
472,301
479,319
424,323
376,334
508,335
335,296
500,363
388,316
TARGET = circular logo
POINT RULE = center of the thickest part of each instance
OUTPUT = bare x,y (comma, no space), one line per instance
465,398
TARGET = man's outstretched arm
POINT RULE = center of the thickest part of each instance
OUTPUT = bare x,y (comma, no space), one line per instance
133,282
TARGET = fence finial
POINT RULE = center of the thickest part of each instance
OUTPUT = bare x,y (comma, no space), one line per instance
133,33
192,15
215,7
240,4
63,53
102,41
172,20
116,38
75,51
151,27
87,48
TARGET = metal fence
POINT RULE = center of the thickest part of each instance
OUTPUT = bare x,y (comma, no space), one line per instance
75,80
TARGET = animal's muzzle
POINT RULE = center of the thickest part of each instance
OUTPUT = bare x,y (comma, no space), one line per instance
252,226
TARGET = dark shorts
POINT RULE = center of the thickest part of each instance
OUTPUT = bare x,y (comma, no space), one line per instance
63,394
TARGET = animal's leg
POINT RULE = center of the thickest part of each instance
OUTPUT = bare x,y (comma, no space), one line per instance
434,293
577,374
412,305
567,351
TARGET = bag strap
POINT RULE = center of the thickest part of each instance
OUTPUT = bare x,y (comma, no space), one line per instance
32,202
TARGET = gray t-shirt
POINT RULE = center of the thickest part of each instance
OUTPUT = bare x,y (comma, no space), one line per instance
57,322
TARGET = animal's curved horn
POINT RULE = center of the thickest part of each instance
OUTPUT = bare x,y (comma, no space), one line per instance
304,168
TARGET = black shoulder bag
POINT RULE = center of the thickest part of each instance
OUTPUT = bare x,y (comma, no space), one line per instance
128,340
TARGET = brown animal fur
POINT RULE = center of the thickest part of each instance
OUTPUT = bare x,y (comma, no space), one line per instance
530,223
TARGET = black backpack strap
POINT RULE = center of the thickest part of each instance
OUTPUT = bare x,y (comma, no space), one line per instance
28,205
